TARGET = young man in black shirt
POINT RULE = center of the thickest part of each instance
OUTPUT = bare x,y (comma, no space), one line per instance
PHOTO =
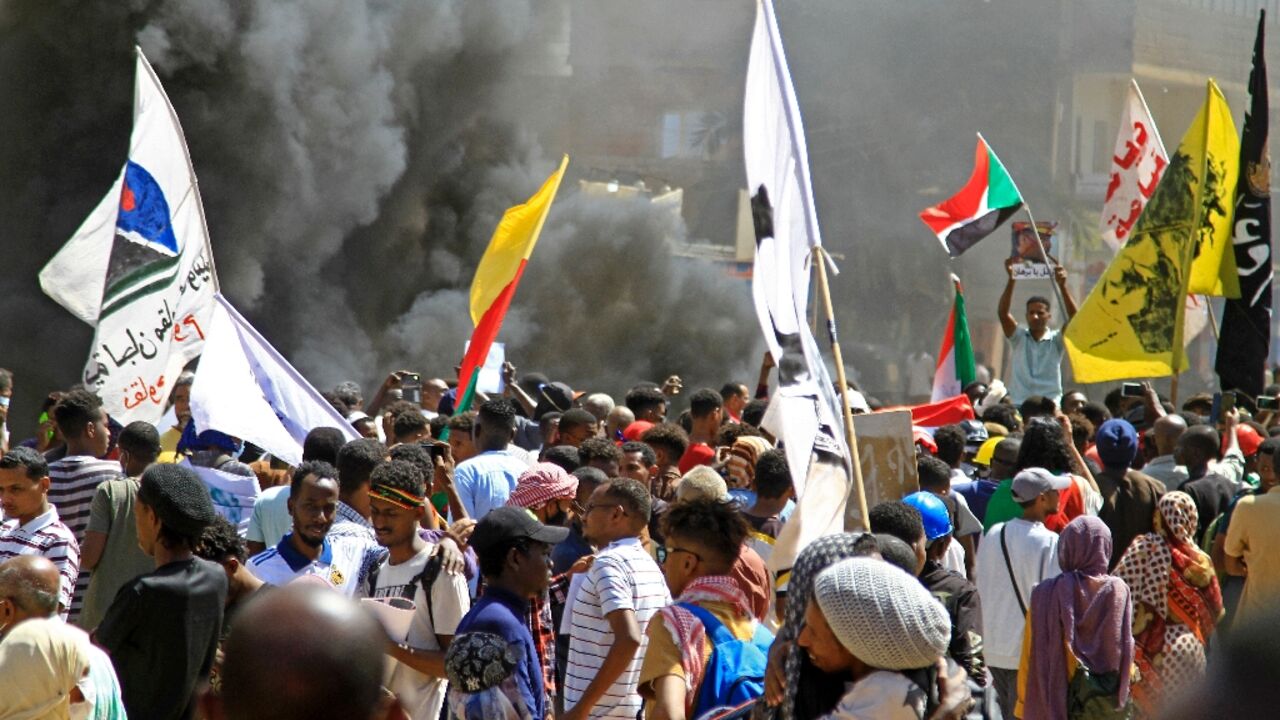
162,629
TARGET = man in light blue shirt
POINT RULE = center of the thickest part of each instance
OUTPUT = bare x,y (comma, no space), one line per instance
484,482
1035,350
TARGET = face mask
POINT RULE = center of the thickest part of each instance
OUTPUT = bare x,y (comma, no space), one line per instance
4,401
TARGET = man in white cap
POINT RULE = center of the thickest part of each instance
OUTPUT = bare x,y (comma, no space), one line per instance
878,624
1012,559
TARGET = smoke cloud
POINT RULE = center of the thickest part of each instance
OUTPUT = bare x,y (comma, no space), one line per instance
354,158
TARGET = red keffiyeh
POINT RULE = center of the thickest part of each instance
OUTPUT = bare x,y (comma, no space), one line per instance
689,634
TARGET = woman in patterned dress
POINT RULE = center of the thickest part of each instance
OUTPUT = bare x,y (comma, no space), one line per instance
1176,602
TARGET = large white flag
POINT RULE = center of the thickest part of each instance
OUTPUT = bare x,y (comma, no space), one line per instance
140,266
804,413
246,389
1137,164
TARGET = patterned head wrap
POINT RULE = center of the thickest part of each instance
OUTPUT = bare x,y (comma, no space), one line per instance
482,686
541,484
742,460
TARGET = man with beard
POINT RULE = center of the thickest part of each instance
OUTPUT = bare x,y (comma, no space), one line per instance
342,561
548,492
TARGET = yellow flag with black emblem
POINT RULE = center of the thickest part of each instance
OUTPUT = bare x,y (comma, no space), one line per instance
1130,326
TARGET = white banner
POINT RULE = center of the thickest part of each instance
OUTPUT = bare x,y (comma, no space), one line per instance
246,389
804,413
140,266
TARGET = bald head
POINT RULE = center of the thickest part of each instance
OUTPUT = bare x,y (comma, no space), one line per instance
619,418
31,582
303,652
1166,432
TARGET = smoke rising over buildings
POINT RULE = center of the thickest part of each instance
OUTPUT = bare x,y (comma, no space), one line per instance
355,155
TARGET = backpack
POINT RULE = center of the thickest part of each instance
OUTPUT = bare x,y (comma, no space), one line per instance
735,670
425,579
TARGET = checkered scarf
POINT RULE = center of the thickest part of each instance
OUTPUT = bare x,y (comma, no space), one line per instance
688,632
541,484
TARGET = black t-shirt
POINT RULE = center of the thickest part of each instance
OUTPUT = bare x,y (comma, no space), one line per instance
161,632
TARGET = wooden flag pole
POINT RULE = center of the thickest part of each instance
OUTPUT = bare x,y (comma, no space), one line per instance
1048,261
820,260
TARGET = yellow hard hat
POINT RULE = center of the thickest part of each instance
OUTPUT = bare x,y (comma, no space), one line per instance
986,450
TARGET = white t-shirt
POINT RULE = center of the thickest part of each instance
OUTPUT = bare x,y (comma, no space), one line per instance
421,695
1033,554
623,577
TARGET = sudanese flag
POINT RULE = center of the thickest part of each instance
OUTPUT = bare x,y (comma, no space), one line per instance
981,206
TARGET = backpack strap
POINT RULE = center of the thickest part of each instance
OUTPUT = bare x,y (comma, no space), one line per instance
427,579
1008,565
716,630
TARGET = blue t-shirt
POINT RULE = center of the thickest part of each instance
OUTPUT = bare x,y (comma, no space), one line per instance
746,498
977,493
485,481
1036,365
569,551
507,616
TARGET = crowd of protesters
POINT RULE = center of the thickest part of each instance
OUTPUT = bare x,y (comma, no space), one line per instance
556,554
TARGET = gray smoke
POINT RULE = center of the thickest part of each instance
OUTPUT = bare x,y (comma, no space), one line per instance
354,158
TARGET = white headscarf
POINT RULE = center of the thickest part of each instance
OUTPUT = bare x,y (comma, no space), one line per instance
40,662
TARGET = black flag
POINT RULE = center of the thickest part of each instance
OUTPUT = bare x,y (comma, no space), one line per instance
1246,323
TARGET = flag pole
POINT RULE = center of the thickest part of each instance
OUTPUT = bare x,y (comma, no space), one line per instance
1213,321
1188,255
821,261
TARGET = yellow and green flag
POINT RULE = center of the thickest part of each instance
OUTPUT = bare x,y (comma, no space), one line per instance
1130,326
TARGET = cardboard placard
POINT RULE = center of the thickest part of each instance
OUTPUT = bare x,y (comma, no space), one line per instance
887,454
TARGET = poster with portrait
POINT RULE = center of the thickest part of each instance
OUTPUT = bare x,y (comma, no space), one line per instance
1029,261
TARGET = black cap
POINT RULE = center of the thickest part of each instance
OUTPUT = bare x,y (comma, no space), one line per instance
178,496
512,523
553,397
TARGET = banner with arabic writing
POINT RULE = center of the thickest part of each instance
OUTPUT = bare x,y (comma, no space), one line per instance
159,280
1136,166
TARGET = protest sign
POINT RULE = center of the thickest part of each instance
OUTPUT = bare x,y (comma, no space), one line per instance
888,458
1029,259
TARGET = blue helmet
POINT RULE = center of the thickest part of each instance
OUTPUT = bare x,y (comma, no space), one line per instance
937,521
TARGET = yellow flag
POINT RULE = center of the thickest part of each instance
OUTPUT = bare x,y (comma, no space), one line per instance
512,244
1213,269
1130,326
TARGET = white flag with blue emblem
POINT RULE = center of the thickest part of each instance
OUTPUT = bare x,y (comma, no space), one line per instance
140,266
246,389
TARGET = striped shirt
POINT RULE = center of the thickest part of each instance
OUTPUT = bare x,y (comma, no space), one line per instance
48,537
623,577
73,480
